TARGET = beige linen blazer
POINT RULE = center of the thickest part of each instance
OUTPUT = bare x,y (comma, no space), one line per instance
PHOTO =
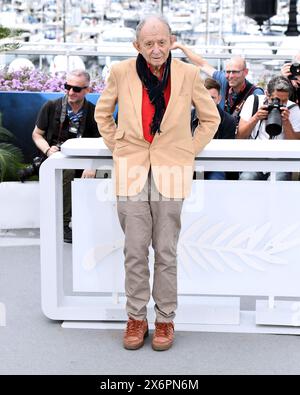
172,153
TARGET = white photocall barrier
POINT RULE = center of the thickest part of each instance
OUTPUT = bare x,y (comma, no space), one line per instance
238,238
2,314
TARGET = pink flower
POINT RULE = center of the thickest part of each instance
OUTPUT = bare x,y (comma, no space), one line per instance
39,81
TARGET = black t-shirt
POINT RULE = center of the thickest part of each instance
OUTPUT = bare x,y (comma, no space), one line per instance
49,121
227,127
295,97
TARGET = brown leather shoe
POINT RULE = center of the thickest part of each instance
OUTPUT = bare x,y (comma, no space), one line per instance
135,333
163,336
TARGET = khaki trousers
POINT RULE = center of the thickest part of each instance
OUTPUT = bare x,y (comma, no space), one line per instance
146,218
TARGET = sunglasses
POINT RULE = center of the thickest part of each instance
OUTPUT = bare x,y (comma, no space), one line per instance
76,89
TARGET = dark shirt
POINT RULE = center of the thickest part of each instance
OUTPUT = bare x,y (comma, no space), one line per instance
227,127
295,97
49,121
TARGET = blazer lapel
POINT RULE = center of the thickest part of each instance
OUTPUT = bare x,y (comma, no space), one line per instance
177,77
135,88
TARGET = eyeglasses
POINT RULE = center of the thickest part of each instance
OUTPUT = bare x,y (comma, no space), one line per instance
234,72
76,89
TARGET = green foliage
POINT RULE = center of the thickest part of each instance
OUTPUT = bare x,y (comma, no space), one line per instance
10,155
4,33
9,47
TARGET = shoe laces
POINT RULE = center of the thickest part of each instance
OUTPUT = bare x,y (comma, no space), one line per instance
134,326
163,329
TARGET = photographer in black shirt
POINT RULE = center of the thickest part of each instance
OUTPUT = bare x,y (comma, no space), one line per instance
71,116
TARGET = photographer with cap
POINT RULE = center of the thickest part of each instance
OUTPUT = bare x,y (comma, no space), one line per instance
291,70
272,116
71,116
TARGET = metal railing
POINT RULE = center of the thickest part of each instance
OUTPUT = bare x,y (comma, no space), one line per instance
126,50
264,58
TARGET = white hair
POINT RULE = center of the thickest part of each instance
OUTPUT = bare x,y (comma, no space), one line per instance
143,21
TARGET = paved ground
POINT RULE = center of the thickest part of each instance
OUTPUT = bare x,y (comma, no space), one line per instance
32,344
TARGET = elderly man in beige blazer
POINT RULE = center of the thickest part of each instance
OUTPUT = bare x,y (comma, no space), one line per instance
153,151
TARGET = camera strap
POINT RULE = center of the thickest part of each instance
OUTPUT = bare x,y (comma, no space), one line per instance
255,105
234,108
82,120
63,115
292,106
254,110
63,109
62,118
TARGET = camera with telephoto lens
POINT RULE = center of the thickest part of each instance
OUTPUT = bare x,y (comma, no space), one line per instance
295,71
274,121
32,169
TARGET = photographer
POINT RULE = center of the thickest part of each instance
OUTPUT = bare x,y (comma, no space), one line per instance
71,116
291,70
272,116
235,88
